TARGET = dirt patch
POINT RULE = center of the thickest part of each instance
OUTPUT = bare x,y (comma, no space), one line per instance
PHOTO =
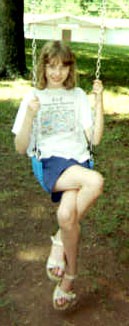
29,218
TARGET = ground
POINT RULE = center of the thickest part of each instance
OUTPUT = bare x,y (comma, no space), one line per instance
26,293
28,218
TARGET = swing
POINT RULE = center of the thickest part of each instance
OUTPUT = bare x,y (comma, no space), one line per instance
97,75
36,163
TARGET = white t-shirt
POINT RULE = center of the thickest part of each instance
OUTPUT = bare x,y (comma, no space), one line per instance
58,128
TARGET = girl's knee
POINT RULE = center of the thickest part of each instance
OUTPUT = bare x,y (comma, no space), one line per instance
98,182
66,218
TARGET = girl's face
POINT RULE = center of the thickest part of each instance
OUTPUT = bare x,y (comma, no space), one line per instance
56,73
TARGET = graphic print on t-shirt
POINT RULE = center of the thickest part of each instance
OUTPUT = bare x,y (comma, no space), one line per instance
57,116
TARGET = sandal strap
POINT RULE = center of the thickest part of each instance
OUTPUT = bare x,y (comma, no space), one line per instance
59,293
53,263
56,242
70,277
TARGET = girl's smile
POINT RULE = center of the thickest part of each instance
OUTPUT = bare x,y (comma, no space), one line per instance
56,73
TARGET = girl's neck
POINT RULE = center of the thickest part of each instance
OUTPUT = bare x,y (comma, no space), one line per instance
55,88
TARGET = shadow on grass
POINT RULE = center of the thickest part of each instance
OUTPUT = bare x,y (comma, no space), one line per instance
114,63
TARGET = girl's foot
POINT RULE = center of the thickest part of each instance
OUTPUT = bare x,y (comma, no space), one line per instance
64,297
56,261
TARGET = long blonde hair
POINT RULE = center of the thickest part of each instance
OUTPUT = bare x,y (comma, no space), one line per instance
52,50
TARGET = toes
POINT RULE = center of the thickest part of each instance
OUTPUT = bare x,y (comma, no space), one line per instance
61,302
57,271
60,272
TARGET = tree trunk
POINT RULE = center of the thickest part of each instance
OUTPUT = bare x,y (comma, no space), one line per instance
12,55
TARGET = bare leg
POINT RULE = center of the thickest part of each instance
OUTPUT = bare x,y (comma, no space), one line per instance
70,230
81,188
57,252
88,183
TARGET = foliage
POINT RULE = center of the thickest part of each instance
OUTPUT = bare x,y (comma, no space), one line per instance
80,7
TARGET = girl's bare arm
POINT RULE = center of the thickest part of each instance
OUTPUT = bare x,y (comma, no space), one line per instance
22,139
99,116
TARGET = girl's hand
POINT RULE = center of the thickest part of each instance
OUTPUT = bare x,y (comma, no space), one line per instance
97,87
33,106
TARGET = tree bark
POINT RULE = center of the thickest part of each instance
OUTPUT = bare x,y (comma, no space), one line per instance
12,53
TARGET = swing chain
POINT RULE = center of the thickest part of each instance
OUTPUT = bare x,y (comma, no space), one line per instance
98,66
34,59
101,38
34,76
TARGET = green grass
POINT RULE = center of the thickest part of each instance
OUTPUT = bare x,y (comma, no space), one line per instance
111,155
110,216
114,64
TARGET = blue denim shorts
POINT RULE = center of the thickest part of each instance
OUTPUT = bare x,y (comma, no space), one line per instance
48,170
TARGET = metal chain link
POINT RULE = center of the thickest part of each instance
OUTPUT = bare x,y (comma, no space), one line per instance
34,77
98,65
34,47
100,45
101,38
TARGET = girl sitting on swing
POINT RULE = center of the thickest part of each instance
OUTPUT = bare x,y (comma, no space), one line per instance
50,127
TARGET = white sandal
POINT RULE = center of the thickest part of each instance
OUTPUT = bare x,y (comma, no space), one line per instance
55,263
70,297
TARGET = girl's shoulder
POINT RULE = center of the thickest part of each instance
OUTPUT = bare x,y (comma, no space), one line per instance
76,91
29,95
79,90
